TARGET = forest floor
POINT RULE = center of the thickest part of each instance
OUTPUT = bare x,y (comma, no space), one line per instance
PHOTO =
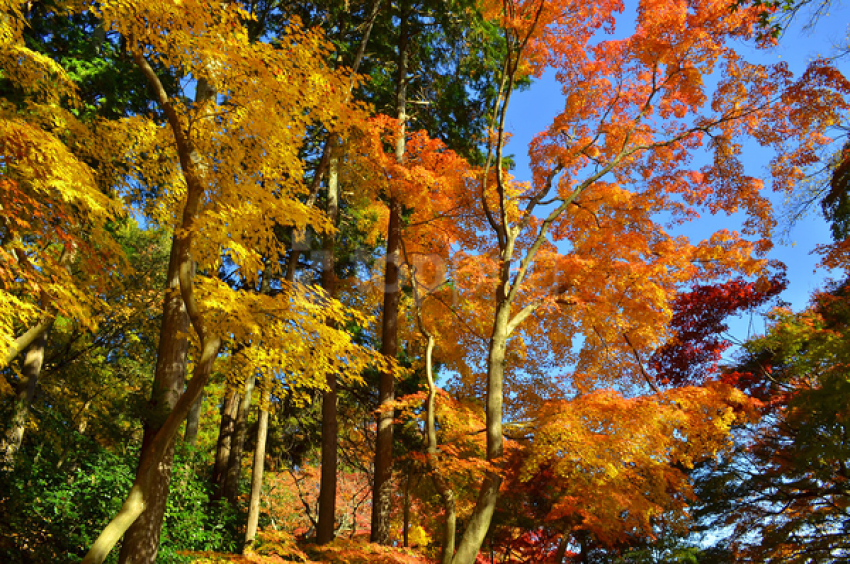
277,547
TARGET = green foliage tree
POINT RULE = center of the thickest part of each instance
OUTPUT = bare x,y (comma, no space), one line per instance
783,491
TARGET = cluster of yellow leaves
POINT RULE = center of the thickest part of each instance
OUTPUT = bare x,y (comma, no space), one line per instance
291,335
53,206
246,142
354,552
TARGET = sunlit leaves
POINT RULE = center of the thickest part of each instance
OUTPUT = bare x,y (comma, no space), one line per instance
617,464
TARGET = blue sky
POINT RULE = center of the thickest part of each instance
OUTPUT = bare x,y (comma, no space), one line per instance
533,110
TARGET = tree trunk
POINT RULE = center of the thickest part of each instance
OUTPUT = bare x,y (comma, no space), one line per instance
193,422
405,524
154,469
479,522
380,532
42,326
257,472
562,548
326,526
141,543
234,464
443,488
225,439
24,395
327,488
140,492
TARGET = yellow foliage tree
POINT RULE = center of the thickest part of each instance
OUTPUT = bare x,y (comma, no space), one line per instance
229,169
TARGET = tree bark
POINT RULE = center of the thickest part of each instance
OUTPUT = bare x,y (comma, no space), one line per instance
193,422
42,326
154,466
237,446
443,488
136,500
326,525
24,395
405,524
141,542
380,532
257,472
479,522
225,439
562,548
325,529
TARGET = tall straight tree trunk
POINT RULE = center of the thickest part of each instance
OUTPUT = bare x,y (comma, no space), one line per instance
326,525
257,471
327,487
24,394
141,542
225,439
381,490
234,463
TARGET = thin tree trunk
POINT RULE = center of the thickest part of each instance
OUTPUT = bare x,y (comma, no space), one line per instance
482,515
381,492
24,395
225,439
257,472
405,524
327,488
562,548
234,464
443,488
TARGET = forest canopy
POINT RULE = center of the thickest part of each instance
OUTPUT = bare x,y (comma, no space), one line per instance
273,288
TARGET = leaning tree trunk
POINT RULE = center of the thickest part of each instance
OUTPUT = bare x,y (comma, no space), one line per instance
381,491
141,542
154,458
34,341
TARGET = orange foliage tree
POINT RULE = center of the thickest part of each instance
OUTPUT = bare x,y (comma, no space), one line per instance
580,267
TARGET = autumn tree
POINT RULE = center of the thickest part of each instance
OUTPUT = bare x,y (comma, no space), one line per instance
217,213
580,248
699,323
55,212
